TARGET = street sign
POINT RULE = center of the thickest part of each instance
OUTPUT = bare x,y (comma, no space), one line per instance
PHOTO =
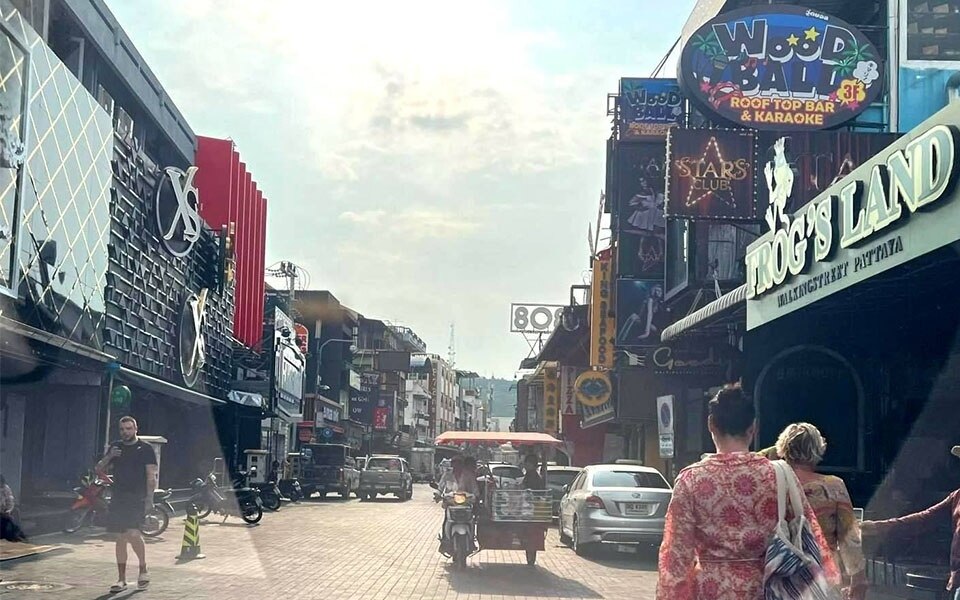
327,433
666,445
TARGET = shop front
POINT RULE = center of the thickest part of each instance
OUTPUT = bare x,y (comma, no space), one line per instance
852,325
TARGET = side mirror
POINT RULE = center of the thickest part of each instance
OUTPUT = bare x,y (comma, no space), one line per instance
565,489
434,485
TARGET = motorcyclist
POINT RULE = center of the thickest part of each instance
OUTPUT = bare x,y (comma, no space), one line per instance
461,478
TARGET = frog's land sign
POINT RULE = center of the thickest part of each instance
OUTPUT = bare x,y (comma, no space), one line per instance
780,67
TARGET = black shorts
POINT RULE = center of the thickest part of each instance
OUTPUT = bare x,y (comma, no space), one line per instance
126,512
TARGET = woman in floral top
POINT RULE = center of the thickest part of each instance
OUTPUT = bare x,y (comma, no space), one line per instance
723,513
802,446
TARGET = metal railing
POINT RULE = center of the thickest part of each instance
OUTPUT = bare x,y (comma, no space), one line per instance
530,506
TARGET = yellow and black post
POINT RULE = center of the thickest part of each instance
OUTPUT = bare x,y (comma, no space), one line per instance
190,549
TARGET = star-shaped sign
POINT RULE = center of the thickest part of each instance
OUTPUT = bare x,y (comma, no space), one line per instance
793,39
709,168
811,34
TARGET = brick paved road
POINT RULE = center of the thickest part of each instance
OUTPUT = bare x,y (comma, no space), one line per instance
334,550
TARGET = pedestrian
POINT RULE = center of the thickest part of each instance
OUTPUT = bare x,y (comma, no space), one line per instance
134,467
532,480
938,515
723,513
803,446
9,527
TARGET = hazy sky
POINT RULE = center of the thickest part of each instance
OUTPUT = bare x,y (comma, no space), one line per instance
427,162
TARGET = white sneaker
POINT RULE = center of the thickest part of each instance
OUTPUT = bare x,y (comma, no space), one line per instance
118,587
143,581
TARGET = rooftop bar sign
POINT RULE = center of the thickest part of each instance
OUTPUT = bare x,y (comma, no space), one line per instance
891,209
780,67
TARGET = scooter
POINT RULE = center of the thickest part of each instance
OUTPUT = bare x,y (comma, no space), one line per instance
91,506
157,520
290,488
243,502
269,491
458,540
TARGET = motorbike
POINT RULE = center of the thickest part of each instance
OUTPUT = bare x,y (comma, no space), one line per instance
458,540
91,506
269,491
157,520
242,502
290,488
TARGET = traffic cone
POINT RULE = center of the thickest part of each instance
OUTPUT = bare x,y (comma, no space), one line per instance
190,549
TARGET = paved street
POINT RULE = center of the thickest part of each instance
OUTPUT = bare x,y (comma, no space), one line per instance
331,549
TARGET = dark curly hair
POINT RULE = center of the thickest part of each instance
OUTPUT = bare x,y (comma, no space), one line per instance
733,413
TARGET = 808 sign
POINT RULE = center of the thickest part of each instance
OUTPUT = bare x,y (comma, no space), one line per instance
535,318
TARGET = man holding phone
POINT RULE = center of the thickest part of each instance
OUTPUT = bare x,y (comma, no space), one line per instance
134,467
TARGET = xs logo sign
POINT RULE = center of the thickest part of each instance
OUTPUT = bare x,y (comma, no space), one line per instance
193,350
178,221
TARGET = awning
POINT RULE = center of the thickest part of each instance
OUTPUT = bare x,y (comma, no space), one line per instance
246,398
57,341
722,305
166,388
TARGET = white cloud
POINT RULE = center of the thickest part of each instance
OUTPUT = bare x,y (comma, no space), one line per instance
366,217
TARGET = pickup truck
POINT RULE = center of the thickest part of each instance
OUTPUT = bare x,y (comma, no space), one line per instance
386,475
328,468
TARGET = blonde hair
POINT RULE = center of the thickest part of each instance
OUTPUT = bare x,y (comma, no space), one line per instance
801,443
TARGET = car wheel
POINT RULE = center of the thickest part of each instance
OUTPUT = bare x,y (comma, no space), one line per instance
564,538
579,547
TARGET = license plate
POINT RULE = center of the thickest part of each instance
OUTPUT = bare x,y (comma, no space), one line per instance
637,509
626,549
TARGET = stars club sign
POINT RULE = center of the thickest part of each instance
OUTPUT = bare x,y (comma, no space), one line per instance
781,67
710,174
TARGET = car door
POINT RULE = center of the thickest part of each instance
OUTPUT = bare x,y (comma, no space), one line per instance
568,504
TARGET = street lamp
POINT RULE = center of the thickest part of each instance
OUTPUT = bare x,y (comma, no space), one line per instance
353,348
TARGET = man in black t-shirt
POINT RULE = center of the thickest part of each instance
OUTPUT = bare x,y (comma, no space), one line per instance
134,467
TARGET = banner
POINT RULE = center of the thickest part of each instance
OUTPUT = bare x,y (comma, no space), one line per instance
639,209
380,415
603,320
568,393
711,174
551,400
648,107
641,313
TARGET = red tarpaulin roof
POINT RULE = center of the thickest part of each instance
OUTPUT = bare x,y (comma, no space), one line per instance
517,438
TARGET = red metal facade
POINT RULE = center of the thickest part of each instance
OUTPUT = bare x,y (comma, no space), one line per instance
228,194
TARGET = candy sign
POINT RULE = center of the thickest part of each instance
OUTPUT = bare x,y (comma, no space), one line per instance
785,67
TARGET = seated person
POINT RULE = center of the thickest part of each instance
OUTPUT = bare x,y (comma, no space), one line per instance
532,480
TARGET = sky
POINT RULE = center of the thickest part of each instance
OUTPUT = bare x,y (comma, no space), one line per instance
428,162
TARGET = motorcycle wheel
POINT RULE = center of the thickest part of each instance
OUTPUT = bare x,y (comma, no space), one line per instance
252,514
76,520
271,502
203,510
155,523
460,552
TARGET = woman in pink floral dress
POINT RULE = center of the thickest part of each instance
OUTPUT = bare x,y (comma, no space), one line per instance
723,513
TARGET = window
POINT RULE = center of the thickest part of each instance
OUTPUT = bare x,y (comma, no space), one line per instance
637,479
933,30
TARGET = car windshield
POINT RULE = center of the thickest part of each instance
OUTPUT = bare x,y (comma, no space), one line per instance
626,479
507,471
561,478
383,464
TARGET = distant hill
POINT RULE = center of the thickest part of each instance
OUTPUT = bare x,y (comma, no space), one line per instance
504,399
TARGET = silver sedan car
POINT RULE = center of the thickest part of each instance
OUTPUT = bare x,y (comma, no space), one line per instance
620,504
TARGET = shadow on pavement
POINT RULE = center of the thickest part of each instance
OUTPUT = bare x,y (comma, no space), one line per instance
644,560
496,579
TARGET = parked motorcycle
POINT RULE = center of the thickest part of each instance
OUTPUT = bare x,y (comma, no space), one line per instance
240,502
269,491
156,521
458,539
290,488
92,505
